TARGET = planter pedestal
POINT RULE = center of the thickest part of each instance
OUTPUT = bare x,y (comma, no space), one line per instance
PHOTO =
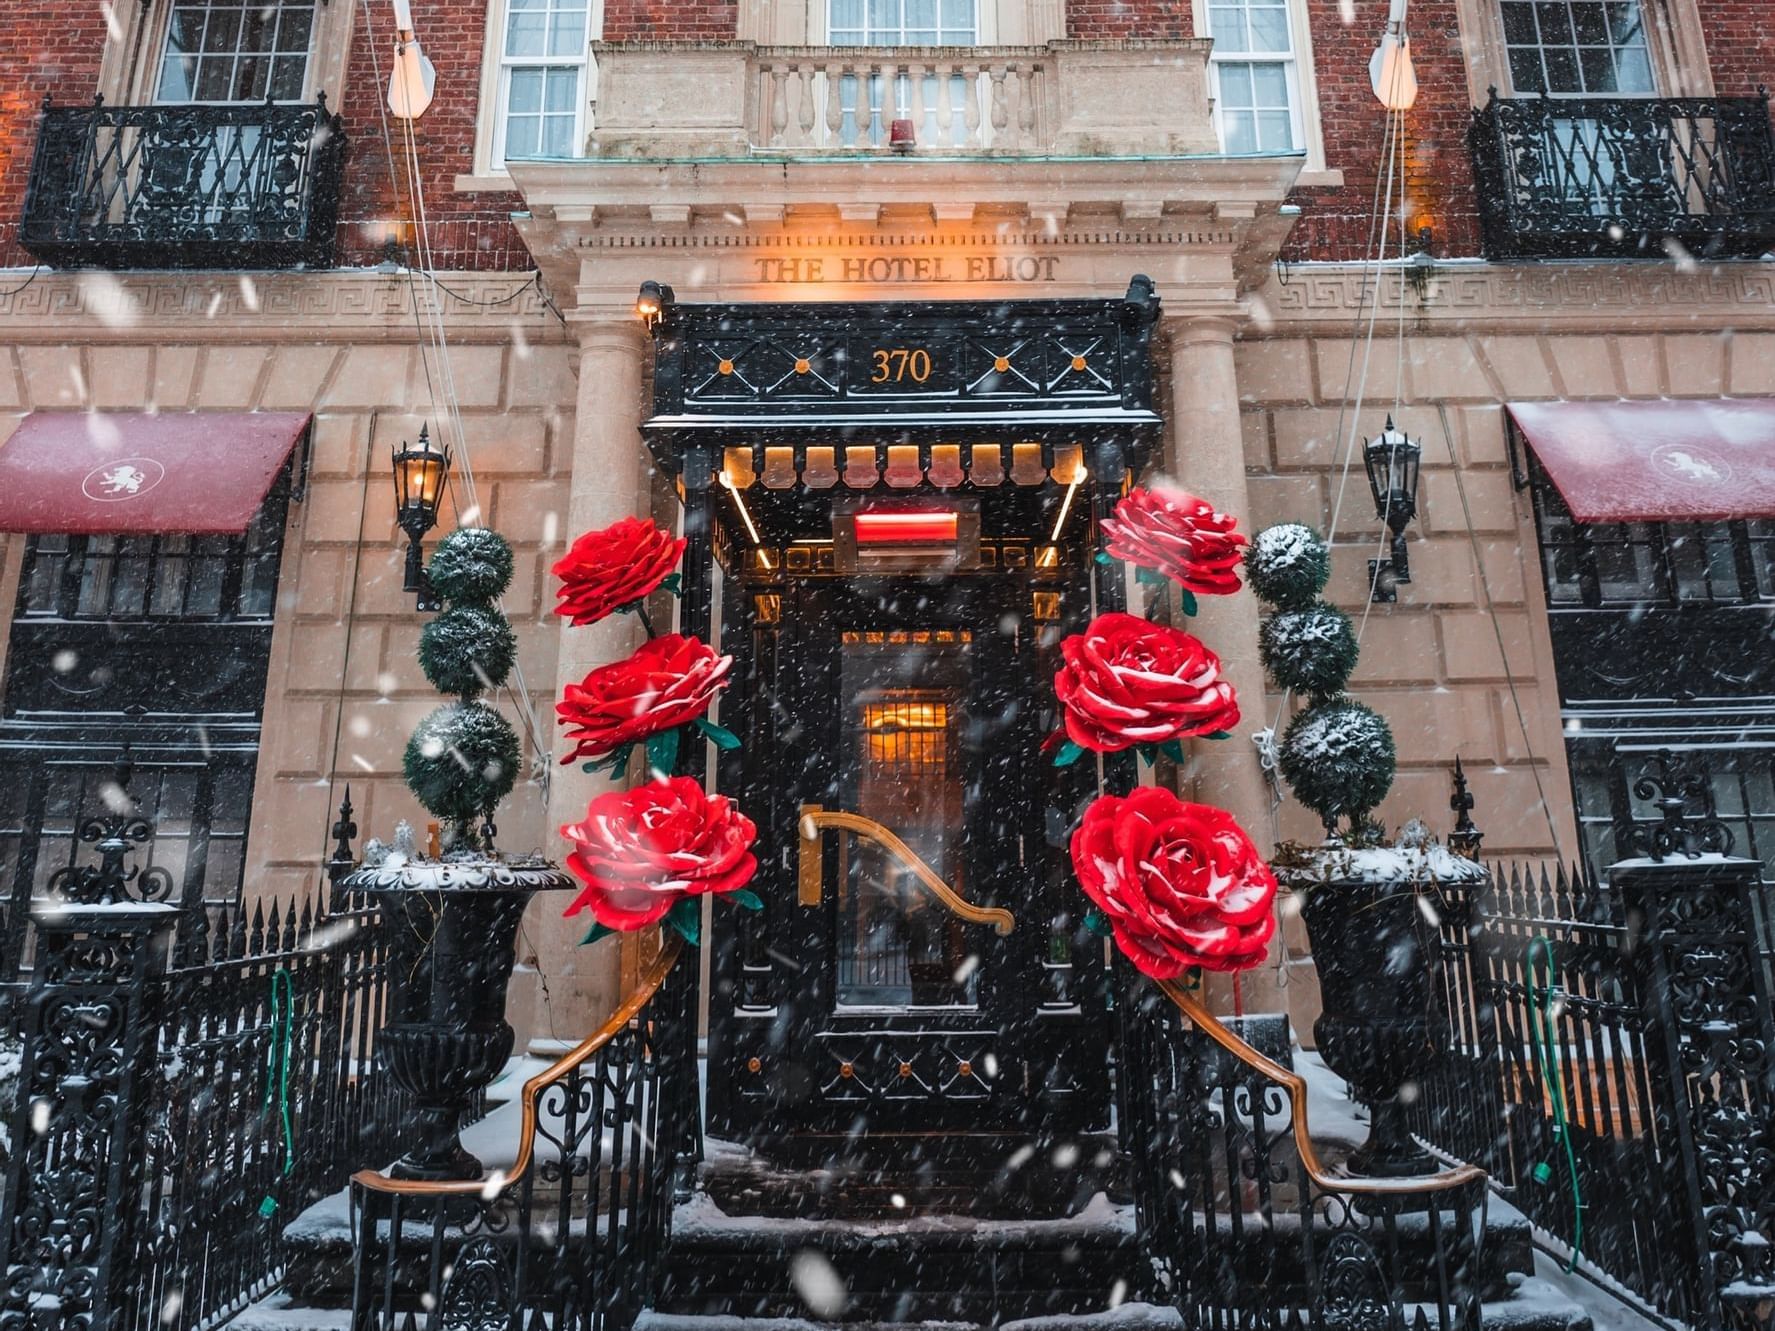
1376,951
451,927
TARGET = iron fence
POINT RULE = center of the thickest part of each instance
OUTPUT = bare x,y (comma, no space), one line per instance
1608,1062
189,1085
185,186
1248,1235
574,1242
1589,177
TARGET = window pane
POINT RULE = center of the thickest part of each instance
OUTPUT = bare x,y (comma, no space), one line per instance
294,31
1556,23
1525,69
568,36
1562,70
526,92
563,84
525,33
959,28
1598,68
1275,132
216,50
1633,70
845,16
1589,25
1625,26
1519,23
558,136
1269,85
1240,130
1235,84
1269,28
1227,27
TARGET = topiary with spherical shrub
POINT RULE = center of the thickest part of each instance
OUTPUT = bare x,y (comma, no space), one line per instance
1336,755
463,758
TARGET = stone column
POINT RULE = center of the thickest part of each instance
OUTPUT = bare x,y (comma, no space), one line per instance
610,481
1206,456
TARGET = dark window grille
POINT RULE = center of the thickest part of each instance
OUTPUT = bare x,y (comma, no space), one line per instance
1650,564
161,577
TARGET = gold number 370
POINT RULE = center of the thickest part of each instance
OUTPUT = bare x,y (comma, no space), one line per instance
899,363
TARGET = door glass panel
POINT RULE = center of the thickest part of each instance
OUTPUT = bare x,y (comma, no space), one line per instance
903,697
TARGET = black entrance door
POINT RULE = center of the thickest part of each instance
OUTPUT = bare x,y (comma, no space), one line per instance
897,981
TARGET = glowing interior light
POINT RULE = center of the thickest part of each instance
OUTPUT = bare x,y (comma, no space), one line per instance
739,502
1066,503
934,527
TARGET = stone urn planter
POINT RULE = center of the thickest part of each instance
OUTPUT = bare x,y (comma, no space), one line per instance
1377,950
451,925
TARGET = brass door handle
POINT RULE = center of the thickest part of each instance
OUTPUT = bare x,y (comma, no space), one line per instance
810,883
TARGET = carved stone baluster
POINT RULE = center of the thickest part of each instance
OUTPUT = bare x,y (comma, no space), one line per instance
971,75
779,104
946,136
1026,118
915,75
804,111
834,105
864,102
1000,111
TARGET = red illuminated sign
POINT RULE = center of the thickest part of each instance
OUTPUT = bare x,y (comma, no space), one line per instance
934,527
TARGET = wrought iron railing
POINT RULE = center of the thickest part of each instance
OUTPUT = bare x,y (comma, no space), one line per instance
1608,1062
1624,177
188,186
571,1233
1248,1226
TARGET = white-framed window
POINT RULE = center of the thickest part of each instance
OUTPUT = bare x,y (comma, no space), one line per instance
902,22
1577,48
1256,72
539,106
221,51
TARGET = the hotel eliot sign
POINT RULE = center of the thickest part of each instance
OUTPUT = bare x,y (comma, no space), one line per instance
907,269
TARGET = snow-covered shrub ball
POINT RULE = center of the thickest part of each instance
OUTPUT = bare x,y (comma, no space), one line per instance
466,649
1338,758
471,565
462,760
1309,651
1287,565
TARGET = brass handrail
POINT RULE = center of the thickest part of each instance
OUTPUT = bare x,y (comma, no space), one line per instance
1001,920
1210,1025
651,979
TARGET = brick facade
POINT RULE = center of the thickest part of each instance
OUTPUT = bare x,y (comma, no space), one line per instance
671,20
1740,45
1087,19
58,50
1335,221
51,50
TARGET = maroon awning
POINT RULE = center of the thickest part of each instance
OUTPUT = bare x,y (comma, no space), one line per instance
106,472
1698,461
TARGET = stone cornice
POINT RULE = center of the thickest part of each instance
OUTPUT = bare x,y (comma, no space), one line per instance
1324,299
342,305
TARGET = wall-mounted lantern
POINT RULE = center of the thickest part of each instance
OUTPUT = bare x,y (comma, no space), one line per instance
652,301
1392,462
419,474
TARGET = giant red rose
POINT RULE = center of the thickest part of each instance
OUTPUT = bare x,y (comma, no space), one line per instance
665,683
605,570
1176,534
1180,883
639,852
1128,681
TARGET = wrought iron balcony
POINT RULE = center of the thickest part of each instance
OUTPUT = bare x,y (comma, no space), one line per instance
1624,177
184,186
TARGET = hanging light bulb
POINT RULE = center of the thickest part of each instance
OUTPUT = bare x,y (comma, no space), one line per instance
413,78
1389,70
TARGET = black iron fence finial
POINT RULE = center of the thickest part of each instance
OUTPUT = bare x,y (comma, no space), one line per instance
1464,840
1678,784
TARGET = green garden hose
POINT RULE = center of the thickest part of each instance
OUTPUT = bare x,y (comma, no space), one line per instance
277,1075
1540,996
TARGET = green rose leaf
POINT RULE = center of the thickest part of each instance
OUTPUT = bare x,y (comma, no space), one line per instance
1153,578
1104,559
674,583
662,752
596,932
1096,922
1146,752
614,764
687,918
722,738
1068,754
1190,607
1173,749
746,898
1219,734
